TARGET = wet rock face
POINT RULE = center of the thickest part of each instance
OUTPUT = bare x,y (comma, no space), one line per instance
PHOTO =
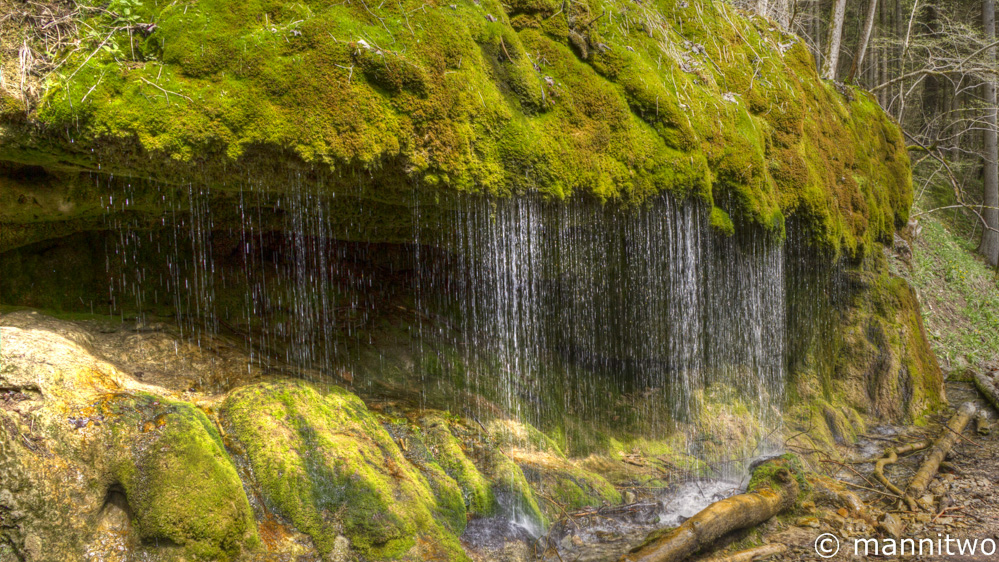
180,452
93,460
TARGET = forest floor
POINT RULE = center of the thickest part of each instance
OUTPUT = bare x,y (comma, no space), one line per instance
962,503
959,294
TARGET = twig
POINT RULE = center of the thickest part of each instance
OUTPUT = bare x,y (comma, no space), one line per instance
945,510
507,53
167,92
113,31
859,487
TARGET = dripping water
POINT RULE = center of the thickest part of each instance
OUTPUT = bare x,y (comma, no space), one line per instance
558,314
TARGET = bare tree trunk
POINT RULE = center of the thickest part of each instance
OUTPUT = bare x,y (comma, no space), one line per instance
865,38
780,11
931,84
762,7
815,30
884,31
831,62
990,238
931,461
987,388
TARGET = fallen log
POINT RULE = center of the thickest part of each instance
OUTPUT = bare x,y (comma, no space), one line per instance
750,554
988,389
942,446
982,424
768,496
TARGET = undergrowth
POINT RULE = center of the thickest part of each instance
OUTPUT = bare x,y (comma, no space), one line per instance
959,294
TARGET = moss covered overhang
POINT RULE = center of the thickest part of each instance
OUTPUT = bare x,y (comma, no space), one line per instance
612,99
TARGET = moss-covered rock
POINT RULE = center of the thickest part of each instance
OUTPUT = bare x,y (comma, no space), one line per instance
79,434
866,361
181,485
447,451
696,100
326,464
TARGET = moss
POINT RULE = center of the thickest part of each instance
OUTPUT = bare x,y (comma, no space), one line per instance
179,481
325,463
766,474
447,451
480,97
513,493
721,222
571,487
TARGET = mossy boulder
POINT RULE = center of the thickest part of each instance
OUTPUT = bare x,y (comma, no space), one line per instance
181,484
82,439
325,463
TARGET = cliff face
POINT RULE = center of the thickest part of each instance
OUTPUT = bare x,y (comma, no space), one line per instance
617,100
289,178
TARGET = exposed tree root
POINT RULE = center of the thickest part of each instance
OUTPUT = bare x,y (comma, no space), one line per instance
777,494
936,455
750,554
891,457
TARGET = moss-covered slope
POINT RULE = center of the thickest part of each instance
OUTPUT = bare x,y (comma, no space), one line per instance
616,99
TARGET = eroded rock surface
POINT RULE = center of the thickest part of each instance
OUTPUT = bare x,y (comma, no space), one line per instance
121,442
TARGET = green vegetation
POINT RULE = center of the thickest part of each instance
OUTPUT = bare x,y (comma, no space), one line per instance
763,476
447,451
959,294
605,98
326,464
179,481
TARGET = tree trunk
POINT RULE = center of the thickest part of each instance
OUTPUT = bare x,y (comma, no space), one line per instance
882,52
932,83
831,62
815,32
990,237
865,38
720,518
762,7
988,390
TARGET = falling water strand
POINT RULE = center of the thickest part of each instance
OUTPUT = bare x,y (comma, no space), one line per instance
580,310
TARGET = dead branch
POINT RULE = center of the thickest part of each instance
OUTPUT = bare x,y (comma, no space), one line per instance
988,389
891,457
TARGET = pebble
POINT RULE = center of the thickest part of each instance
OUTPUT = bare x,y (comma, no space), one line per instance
811,522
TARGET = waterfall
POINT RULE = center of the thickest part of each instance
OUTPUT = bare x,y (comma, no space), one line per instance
557,313
573,308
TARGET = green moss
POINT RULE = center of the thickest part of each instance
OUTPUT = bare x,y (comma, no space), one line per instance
765,475
480,97
574,488
447,451
721,222
325,463
513,492
180,483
